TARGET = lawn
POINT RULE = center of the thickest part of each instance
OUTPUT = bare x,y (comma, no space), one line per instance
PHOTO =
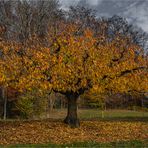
118,128
86,114
115,114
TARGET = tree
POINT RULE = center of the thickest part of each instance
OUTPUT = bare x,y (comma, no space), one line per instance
73,64
81,64
52,99
106,28
120,25
82,16
23,19
8,69
20,68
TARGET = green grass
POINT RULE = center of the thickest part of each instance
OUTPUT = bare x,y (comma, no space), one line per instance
95,114
88,114
127,144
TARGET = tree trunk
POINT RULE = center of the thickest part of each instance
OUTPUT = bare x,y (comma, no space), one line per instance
4,95
72,118
52,99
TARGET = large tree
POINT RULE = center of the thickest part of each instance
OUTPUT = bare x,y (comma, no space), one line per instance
78,63
75,63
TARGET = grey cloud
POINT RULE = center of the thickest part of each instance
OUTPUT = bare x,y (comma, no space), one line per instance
139,15
66,3
136,11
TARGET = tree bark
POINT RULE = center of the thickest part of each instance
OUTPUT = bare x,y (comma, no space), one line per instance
4,95
72,117
52,98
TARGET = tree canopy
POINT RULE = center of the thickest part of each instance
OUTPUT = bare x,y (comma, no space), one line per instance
74,57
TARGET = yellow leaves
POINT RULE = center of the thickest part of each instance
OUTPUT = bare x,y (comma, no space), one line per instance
79,57
88,33
54,59
45,86
99,89
97,64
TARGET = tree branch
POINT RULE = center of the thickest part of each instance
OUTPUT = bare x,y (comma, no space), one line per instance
122,73
131,70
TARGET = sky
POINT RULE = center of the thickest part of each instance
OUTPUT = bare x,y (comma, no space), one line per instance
136,11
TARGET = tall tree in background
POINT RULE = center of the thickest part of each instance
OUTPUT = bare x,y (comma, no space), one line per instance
106,28
22,19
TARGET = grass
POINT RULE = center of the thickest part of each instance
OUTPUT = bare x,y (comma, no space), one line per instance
91,144
87,114
90,114
114,115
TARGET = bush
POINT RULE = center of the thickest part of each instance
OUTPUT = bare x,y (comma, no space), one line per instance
25,105
32,103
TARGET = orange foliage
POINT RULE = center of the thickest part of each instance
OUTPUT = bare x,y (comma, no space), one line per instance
74,61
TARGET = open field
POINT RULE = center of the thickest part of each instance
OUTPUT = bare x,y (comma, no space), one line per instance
97,114
118,128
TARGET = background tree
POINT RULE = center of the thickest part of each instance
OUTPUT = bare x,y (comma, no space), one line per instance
106,28
23,19
120,25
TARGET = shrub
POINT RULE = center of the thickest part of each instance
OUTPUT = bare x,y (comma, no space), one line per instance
32,103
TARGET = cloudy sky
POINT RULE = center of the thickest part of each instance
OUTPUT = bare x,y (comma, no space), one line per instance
136,11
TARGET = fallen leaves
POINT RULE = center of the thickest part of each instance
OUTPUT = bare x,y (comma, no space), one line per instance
37,132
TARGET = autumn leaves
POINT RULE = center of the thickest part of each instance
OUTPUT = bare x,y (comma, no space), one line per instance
78,61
